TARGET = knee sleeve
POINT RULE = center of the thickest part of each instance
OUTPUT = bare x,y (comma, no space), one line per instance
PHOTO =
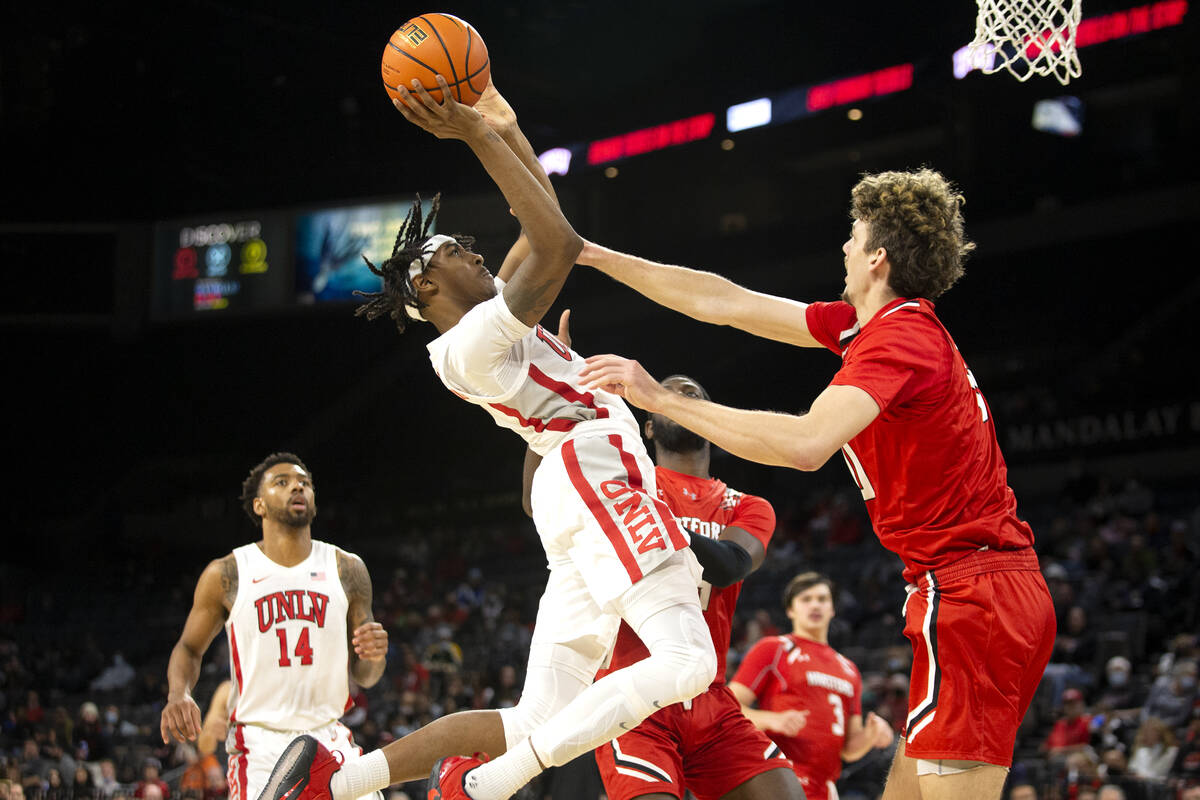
682,660
546,692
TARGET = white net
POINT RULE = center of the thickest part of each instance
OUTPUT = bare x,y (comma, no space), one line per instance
1028,37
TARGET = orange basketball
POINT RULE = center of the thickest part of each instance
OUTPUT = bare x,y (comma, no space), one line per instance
437,44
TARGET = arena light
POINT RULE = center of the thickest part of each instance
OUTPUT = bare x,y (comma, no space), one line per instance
1130,22
751,114
648,140
556,161
860,87
1093,30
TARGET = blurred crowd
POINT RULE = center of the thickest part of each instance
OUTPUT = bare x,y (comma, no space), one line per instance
1116,715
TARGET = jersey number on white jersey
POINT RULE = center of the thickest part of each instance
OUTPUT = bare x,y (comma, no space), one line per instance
303,651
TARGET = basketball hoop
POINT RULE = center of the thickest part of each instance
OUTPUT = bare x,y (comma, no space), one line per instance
1027,37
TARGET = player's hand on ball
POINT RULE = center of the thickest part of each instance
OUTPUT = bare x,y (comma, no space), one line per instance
496,111
180,720
370,641
624,377
446,120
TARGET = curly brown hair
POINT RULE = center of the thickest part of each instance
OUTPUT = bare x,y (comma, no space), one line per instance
917,218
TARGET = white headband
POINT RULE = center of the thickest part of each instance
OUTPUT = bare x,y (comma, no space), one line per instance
418,265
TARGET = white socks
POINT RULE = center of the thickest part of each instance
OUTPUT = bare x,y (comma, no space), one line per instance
502,777
361,776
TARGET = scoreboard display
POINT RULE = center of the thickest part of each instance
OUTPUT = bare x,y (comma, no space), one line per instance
331,243
222,264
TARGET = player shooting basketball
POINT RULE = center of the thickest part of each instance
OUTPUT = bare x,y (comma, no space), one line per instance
614,551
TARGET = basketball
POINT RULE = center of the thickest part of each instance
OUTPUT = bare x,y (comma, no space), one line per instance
433,44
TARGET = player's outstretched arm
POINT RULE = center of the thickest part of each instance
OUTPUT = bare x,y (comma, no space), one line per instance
368,638
767,437
705,296
210,606
553,243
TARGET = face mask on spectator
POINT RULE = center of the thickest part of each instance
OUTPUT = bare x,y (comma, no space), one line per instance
1118,677
1187,683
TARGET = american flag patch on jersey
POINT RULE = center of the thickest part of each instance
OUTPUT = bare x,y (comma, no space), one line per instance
317,576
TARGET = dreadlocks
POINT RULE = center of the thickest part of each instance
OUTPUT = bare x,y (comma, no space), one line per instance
398,290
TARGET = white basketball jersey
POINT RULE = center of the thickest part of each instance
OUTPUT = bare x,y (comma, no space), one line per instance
288,649
525,378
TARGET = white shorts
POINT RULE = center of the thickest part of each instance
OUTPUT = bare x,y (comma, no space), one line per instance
597,512
253,752
595,507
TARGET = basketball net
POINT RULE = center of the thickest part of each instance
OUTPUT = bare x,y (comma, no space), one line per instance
1027,37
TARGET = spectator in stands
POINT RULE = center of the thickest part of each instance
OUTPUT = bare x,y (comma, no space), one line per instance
107,784
1187,763
1080,773
894,705
83,787
5,783
1113,763
1074,654
1121,693
1061,591
55,788
1072,732
89,732
1110,791
1154,750
1171,700
16,792
151,781
1085,793
1190,793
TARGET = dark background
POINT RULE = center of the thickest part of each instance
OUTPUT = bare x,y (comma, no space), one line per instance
124,428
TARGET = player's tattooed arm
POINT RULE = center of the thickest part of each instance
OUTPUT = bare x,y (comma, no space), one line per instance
229,579
368,638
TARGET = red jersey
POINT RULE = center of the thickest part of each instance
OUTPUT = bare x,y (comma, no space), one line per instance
791,672
703,507
929,466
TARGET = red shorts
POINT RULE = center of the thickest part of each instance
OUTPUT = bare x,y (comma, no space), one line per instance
710,749
982,630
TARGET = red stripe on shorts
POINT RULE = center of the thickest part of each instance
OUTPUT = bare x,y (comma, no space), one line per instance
629,462
678,541
237,670
240,764
668,519
599,512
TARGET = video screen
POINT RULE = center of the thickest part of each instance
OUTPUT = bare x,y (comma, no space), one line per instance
330,245
221,263
1059,115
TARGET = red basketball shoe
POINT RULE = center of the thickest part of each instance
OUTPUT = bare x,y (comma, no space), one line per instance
302,772
446,781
